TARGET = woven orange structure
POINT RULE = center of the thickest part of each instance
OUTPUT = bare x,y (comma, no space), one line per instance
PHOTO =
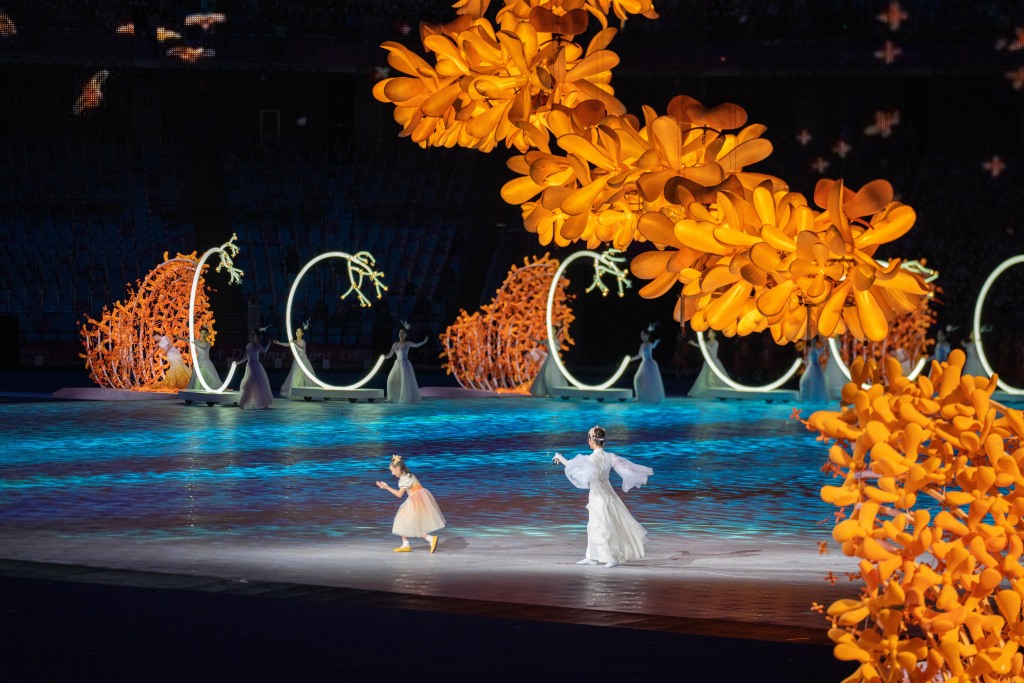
490,349
120,351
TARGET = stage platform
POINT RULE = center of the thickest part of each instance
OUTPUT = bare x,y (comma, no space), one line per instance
599,395
776,396
351,395
283,502
210,398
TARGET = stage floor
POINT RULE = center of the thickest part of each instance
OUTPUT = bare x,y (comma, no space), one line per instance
286,497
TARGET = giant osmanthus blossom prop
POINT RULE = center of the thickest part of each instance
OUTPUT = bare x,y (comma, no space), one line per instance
943,582
750,254
119,348
490,349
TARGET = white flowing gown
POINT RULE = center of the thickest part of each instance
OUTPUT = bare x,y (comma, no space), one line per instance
296,377
647,382
612,533
402,386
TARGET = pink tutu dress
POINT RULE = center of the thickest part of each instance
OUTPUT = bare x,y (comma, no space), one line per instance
419,514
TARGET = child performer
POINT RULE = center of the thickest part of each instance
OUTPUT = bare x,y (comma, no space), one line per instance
419,514
613,536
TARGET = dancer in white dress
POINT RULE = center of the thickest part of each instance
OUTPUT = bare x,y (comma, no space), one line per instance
201,364
613,536
812,382
549,376
177,375
707,379
296,377
942,347
647,384
973,366
835,378
255,392
419,514
402,387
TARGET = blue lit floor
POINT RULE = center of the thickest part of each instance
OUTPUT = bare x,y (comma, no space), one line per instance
288,495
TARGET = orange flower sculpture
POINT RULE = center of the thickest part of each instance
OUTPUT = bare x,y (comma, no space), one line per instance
749,254
908,332
119,348
943,584
491,349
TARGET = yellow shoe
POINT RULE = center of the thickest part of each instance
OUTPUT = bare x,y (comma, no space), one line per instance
403,549
433,544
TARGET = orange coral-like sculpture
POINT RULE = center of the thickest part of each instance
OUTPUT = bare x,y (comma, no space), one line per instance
943,587
490,349
119,348
750,254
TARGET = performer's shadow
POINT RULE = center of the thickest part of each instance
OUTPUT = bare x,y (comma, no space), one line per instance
452,543
687,557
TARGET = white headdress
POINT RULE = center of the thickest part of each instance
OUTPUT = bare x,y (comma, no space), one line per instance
653,326
406,325
305,325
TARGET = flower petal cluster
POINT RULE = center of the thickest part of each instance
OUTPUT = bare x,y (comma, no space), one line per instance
496,84
764,258
943,582
750,254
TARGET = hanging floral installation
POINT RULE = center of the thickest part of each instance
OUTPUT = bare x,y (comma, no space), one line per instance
750,254
493,348
943,581
907,332
120,351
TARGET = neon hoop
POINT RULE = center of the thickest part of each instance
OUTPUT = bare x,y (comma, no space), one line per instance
1008,263
192,318
307,371
602,263
733,384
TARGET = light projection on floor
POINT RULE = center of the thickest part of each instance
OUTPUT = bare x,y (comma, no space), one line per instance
738,386
120,351
359,267
226,253
976,323
606,263
493,349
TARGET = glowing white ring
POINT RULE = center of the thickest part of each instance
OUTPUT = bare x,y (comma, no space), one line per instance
308,372
722,375
192,324
833,346
977,322
553,346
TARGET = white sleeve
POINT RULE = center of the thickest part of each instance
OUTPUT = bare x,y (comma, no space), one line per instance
631,473
580,470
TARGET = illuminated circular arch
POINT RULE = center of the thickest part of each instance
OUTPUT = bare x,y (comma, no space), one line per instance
225,251
833,346
1008,263
308,371
602,263
733,384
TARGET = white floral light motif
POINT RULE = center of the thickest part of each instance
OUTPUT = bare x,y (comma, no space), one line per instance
361,266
